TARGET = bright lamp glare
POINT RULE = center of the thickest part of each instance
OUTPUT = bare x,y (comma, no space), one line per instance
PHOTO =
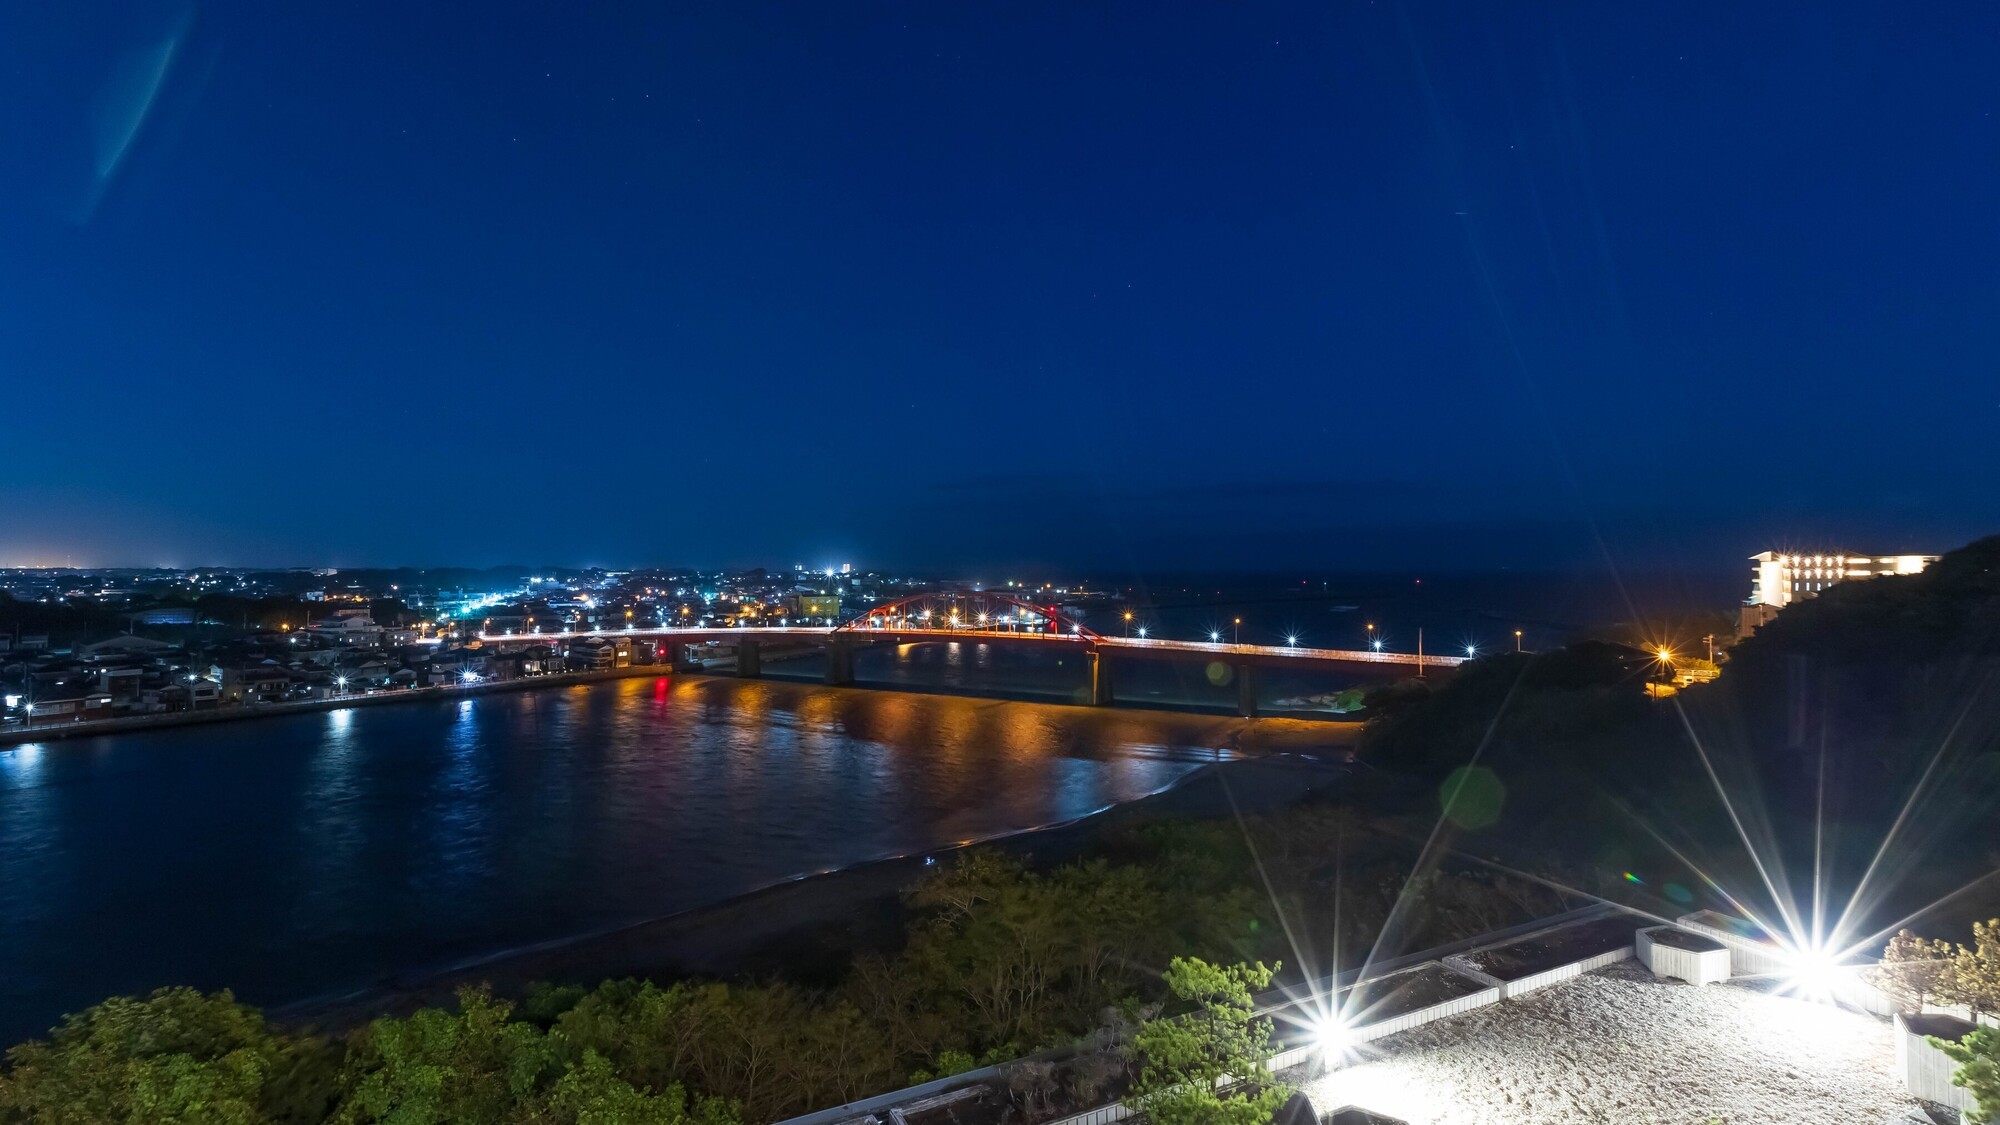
1331,1035
1813,973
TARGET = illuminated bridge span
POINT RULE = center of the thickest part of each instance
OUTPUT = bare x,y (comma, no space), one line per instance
984,618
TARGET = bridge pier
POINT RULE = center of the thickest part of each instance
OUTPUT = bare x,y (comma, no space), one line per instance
1246,690
1100,679
749,659
839,661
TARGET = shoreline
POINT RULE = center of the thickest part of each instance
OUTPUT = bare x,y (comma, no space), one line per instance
63,731
56,732
810,926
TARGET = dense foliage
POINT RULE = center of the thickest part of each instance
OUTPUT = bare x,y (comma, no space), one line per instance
176,1057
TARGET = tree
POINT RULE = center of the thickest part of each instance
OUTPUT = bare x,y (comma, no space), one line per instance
1208,1066
1978,1059
1915,970
591,1093
1975,972
437,1066
176,1056
479,1065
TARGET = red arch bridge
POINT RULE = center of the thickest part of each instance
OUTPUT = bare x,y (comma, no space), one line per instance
1001,619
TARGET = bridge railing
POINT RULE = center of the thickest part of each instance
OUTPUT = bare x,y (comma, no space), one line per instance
1212,648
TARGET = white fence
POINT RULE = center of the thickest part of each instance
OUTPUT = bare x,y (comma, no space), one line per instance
1102,1115
1927,1071
1695,966
1368,1032
1509,989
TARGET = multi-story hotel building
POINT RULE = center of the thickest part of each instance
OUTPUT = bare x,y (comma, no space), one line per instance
1777,579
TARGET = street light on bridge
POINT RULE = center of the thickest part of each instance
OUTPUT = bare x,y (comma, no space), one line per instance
1128,622
1239,631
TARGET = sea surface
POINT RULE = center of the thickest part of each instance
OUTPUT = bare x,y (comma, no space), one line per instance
308,856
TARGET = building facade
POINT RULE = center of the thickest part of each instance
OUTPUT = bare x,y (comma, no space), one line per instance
1779,578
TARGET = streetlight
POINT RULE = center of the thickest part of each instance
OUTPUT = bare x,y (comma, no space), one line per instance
1128,622
338,681
1142,632
1517,640
1371,635
1376,644
1291,639
1470,652
1214,635
1239,631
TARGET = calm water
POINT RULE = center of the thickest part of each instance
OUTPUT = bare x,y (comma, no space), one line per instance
309,855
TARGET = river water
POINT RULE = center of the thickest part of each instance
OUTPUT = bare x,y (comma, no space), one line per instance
309,855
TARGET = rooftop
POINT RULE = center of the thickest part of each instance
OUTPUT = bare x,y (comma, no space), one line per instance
1620,1044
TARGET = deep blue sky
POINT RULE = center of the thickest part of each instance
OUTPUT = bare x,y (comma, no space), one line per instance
1340,286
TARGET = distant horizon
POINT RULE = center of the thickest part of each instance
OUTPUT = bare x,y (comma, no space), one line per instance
1089,288
1606,561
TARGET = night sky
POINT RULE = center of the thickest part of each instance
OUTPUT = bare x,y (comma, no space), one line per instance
1341,286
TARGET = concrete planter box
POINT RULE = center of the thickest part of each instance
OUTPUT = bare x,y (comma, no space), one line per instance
1926,1070
1521,986
1672,957
1562,973
1545,957
1753,954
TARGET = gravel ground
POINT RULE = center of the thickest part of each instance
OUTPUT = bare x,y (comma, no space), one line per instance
1619,1046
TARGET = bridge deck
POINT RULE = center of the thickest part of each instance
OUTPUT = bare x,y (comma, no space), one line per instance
1133,645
